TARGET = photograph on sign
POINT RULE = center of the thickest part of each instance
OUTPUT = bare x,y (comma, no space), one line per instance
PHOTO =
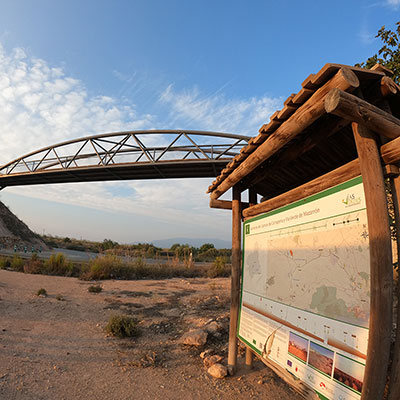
306,289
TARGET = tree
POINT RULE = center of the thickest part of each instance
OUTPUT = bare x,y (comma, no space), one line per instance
205,247
389,54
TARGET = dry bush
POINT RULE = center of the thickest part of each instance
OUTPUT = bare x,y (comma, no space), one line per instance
34,265
5,263
17,264
122,326
57,264
220,268
41,292
95,289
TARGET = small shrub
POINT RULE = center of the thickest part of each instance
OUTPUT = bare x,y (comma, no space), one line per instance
219,268
122,326
60,298
34,265
17,264
95,289
57,264
41,292
5,263
107,267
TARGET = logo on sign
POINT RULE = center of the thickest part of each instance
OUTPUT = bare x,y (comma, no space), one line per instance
351,200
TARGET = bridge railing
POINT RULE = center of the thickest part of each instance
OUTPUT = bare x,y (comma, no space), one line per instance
129,148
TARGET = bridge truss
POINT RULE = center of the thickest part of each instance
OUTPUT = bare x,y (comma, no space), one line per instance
154,154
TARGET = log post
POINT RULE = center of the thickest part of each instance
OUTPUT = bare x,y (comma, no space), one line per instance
235,279
381,278
394,385
353,108
225,204
249,353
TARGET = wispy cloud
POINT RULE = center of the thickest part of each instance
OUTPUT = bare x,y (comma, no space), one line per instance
216,112
393,3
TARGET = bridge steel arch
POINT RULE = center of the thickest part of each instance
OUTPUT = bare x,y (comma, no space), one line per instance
129,155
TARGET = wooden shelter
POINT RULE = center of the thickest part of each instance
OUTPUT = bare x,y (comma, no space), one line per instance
343,123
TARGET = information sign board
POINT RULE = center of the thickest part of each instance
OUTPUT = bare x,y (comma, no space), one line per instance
306,289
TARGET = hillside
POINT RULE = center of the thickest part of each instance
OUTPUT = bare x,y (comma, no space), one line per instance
15,232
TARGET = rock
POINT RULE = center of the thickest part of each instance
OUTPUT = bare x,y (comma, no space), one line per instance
205,353
197,337
213,327
172,313
211,360
218,371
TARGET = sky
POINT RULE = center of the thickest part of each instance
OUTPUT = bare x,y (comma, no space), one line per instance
75,68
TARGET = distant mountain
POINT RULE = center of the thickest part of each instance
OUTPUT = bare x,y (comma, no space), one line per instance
195,242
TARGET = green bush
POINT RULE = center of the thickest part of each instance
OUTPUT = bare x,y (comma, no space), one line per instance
17,264
41,292
106,267
57,264
95,289
122,326
5,263
220,268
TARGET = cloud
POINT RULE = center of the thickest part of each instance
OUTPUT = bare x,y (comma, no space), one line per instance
216,112
393,3
40,105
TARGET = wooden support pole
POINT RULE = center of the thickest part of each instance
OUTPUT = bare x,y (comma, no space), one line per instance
391,151
225,204
381,278
252,197
310,111
339,175
235,279
353,108
394,383
249,353
249,358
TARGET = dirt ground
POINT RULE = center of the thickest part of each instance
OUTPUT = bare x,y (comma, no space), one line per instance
55,347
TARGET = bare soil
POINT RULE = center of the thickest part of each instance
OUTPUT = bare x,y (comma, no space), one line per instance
55,347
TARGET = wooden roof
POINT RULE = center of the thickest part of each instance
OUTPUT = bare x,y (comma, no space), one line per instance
302,141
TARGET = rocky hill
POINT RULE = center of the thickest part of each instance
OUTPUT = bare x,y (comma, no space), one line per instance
14,232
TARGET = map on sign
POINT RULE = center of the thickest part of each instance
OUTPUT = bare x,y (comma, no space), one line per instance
321,267
306,289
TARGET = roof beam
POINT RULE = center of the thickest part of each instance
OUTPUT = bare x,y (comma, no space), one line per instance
305,115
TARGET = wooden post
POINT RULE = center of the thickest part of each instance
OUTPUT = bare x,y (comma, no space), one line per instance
394,385
381,278
225,204
353,108
249,353
235,279
252,197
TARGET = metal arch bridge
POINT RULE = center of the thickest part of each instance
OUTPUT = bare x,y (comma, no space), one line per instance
126,155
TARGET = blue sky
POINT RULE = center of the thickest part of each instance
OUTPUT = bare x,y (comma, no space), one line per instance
73,68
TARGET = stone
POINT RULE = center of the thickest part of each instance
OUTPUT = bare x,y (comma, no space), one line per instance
205,353
213,327
197,337
218,371
211,360
172,313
